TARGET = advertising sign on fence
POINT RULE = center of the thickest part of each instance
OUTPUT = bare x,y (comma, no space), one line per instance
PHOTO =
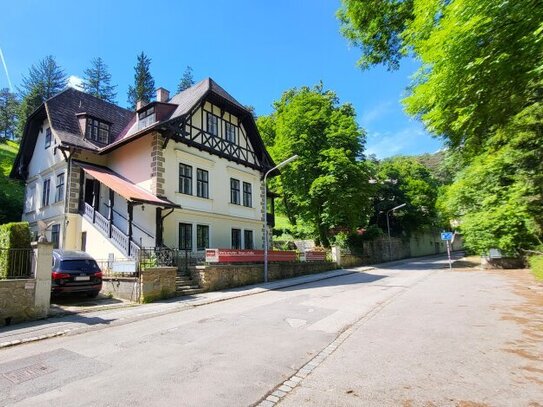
248,256
313,255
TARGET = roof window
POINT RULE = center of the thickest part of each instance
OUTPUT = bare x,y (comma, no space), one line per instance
146,117
97,131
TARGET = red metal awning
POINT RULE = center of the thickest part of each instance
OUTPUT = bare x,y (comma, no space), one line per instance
127,189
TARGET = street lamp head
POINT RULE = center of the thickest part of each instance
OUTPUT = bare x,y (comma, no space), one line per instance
288,160
398,207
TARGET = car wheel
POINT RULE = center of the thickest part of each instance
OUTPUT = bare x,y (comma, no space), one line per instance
93,294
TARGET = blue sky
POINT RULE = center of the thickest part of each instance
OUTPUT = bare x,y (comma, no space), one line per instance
255,50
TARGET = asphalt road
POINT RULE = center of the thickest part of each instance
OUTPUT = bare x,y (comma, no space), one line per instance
412,334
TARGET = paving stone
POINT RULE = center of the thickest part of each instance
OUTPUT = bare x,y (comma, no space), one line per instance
296,379
266,403
290,383
273,399
285,388
278,393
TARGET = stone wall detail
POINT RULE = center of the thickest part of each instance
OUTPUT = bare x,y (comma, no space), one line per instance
157,165
157,283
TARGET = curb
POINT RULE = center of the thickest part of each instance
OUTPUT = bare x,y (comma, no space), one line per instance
140,317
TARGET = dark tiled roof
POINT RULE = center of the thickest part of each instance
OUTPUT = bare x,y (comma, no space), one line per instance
63,108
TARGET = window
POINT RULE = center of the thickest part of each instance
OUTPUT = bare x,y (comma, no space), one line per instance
55,236
185,236
185,179
59,195
97,131
247,195
30,198
248,239
146,118
234,191
230,132
236,238
48,137
45,192
202,237
212,124
202,183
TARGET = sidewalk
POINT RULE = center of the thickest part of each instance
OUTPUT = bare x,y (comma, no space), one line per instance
74,324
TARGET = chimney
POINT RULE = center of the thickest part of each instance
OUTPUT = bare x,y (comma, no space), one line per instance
162,95
139,104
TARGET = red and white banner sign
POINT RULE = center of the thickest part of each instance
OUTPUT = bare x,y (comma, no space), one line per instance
248,256
313,255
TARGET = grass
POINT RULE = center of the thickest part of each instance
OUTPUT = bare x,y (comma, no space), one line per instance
11,191
536,265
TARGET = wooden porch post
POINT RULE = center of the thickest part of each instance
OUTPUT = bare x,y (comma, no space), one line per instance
130,215
159,227
110,213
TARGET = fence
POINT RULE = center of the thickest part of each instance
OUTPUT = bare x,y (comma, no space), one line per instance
16,264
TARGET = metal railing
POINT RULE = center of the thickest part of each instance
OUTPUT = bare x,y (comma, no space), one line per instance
118,237
17,264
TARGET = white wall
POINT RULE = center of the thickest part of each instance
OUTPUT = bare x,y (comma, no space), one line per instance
46,163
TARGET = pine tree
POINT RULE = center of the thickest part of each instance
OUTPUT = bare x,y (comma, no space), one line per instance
187,80
144,84
46,73
29,103
9,106
97,81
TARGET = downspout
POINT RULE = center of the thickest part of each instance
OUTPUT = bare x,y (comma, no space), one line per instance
67,194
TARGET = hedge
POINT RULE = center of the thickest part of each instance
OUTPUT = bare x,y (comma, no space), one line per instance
15,235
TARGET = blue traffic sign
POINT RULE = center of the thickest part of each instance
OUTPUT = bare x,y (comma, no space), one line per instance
446,235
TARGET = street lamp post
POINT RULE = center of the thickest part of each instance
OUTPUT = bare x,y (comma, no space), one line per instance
287,161
388,229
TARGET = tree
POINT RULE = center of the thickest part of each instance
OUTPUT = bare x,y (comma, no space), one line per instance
30,103
404,180
47,76
327,187
97,81
187,80
144,84
9,106
480,88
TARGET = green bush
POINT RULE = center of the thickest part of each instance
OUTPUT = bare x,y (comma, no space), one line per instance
536,264
14,235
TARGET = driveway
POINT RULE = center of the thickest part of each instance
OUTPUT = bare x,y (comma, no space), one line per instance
409,334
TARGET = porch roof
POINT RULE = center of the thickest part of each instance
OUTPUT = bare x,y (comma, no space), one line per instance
127,189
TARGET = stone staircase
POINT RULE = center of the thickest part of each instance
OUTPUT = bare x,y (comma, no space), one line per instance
185,285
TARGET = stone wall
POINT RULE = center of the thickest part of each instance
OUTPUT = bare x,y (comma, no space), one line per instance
219,277
157,283
17,301
126,288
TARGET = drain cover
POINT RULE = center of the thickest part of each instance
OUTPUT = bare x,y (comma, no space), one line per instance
28,373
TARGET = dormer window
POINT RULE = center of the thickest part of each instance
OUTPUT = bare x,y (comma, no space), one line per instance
97,131
146,118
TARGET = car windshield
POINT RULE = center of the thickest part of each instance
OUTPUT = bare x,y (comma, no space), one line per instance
79,265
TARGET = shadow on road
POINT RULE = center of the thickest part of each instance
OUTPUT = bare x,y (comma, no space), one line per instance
343,280
46,323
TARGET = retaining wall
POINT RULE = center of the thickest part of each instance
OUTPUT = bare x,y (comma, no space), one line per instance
157,283
219,277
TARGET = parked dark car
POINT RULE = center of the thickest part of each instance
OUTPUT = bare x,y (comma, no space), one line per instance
75,272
